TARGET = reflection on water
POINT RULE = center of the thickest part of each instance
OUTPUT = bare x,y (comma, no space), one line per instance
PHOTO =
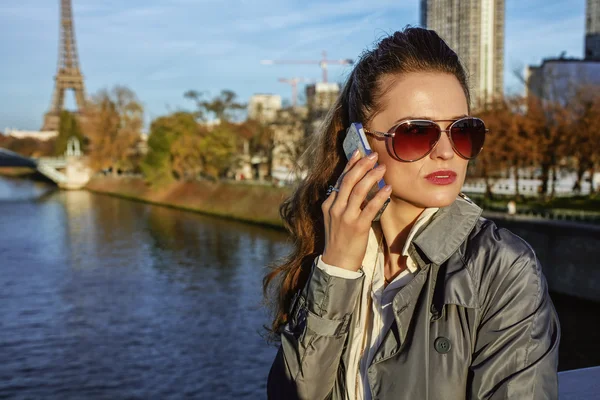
19,190
108,298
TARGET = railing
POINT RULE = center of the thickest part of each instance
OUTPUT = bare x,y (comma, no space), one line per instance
527,187
54,162
529,213
52,173
579,384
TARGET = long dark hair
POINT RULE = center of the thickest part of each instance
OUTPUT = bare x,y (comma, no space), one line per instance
409,50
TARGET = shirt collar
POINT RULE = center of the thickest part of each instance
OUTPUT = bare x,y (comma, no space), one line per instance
421,221
373,243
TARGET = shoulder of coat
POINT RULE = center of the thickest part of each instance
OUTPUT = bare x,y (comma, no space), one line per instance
490,249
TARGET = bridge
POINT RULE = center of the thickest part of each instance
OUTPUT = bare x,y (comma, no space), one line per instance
68,172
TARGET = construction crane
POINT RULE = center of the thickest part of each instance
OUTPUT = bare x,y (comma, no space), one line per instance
322,63
293,82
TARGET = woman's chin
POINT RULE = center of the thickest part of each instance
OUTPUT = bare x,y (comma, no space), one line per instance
436,199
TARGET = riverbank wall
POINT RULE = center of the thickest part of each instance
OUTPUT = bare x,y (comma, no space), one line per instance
258,204
567,250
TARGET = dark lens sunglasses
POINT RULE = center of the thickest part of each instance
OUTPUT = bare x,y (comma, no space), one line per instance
414,139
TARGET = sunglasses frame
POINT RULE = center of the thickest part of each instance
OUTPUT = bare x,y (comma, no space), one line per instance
391,133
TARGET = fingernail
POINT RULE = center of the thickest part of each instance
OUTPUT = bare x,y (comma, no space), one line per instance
380,167
372,156
355,154
387,188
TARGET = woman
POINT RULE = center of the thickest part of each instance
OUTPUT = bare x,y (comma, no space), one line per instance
430,302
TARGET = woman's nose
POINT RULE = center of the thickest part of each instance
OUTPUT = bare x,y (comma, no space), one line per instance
443,149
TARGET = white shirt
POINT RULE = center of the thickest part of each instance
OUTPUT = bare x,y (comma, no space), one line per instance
381,317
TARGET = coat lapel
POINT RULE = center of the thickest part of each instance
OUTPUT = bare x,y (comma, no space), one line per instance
404,308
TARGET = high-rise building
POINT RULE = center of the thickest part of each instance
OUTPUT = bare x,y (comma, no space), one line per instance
592,30
474,29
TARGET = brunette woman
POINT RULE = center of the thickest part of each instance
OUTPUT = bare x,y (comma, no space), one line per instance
431,301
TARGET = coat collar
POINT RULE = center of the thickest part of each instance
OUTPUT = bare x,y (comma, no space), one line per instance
448,228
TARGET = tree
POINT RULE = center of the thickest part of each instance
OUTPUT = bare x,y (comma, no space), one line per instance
179,148
217,149
68,127
547,124
518,141
218,145
223,107
113,123
499,147
28,147
584,138
164,132
185,149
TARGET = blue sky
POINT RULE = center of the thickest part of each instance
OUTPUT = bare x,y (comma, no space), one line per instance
161,49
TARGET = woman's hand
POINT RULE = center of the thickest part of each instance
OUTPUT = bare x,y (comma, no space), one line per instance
346,224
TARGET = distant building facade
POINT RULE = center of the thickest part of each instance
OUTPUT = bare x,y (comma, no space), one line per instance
264,107
474,29
289,134
321,96
557,79
592,30
319,99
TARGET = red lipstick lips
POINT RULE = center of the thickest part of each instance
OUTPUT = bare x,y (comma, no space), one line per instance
442,177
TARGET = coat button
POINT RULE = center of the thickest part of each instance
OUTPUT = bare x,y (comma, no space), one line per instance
442,345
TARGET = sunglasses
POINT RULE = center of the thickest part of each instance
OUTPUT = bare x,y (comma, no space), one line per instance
414,139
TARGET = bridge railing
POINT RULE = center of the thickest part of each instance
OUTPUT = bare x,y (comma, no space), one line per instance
52,173
55,162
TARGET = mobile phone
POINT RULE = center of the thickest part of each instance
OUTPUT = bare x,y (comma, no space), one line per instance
356,139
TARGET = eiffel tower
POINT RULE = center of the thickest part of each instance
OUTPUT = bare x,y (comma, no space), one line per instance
68,75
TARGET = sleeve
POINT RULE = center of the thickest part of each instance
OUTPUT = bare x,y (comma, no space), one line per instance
337,271
307,363
516,348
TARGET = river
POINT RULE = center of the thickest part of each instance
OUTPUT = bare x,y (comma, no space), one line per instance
107,298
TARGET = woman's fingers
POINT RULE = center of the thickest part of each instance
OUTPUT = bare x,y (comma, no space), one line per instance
332,196
328,202
374,205
352,177
353,160
346,226
361,189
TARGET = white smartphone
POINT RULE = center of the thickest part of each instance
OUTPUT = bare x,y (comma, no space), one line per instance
356,139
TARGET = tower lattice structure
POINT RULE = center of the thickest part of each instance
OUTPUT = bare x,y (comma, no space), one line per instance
68,75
